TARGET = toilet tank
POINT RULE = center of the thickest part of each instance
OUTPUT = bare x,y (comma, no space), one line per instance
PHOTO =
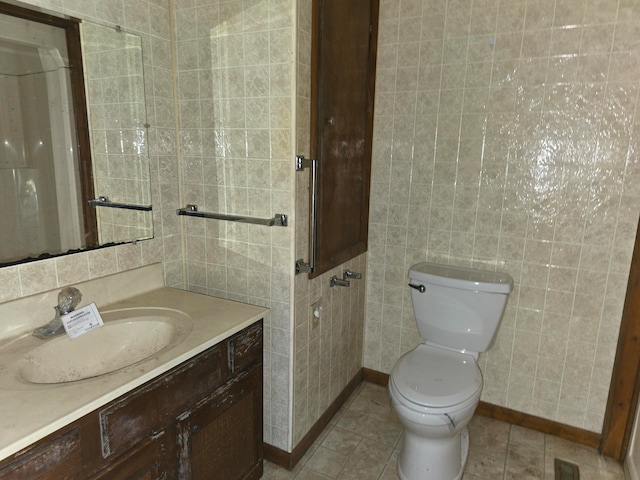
458,307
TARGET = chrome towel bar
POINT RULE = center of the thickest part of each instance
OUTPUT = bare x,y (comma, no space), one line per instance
279,220
105,202
301,164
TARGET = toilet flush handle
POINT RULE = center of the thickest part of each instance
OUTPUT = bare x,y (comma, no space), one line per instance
420,288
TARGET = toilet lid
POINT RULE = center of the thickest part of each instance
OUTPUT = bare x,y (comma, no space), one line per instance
435,377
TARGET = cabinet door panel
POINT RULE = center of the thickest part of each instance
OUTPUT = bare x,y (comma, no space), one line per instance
245,349
343,80
142,463
60,459
221,438
138,416
195,379
129,420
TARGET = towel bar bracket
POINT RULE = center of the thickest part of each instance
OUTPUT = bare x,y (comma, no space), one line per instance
303,267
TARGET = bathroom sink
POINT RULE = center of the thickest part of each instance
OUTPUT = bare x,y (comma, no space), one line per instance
127,337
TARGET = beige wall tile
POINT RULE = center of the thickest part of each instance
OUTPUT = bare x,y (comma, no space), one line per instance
548,90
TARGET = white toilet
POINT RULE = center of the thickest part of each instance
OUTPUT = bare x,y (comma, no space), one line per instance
436,387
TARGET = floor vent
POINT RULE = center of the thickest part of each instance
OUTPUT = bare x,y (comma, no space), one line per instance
565,470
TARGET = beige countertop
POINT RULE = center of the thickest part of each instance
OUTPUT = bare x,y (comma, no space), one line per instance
32,411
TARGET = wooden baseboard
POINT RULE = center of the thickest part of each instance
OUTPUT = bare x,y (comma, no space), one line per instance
289,460
574,434
375,377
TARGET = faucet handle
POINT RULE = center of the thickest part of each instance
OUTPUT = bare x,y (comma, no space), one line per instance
349,274
333,281
68,299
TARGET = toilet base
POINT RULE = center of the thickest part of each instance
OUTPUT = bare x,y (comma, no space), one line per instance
413,464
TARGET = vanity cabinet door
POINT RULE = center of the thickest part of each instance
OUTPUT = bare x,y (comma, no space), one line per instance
221,436
129,420
146,462
57,459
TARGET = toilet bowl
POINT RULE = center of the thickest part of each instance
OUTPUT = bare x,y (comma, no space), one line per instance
436,387
435,424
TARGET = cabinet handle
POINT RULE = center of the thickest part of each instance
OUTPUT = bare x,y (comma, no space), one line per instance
301,164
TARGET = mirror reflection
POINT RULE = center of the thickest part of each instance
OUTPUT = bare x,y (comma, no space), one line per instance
118,129
40,193
47,176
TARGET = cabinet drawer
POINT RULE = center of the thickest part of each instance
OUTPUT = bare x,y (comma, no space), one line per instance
139,415
244,349
145,462
129,420
59,459
196,378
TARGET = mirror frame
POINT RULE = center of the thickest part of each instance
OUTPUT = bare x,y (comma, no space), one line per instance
71,27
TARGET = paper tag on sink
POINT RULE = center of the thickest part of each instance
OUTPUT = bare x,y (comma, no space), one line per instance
82,320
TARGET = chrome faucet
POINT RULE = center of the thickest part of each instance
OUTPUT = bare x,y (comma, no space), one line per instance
344,282
68,299
347,274
333,281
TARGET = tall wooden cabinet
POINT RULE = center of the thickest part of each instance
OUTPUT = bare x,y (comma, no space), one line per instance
342,98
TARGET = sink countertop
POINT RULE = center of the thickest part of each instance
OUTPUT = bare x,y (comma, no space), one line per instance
33,411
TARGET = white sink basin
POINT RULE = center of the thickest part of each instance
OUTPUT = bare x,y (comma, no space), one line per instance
128,336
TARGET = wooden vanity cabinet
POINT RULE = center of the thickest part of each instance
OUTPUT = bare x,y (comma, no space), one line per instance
200,420
57,458
145,462
219,437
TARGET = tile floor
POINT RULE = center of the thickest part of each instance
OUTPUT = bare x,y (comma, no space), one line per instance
363,439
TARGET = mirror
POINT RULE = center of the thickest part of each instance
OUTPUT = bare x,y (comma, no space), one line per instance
118,131
61,148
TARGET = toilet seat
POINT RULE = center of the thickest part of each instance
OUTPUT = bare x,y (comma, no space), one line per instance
432,377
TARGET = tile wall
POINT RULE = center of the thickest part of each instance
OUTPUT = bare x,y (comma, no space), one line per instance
506,131
328,352
506,137
235,73
151,21
117,118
